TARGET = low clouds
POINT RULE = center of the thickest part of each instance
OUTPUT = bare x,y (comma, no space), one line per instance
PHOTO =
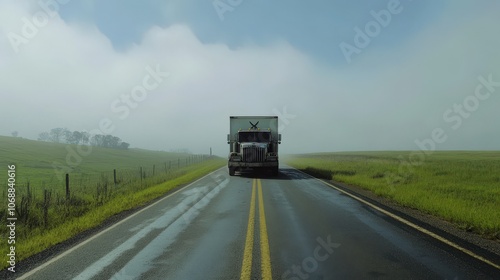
69,75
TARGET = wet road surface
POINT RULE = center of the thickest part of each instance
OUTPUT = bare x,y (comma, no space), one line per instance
259,227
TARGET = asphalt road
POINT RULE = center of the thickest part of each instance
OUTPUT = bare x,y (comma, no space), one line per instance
254,227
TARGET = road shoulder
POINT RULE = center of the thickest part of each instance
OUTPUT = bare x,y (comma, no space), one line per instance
469,240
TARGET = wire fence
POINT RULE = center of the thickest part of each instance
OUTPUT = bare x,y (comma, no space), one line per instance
50,201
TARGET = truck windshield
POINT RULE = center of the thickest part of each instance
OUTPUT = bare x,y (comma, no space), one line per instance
254,136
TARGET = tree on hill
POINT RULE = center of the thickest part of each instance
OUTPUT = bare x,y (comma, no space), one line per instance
75,137
15,133
63,135
44,136
124,145
108,141
85,138
58,135
97,140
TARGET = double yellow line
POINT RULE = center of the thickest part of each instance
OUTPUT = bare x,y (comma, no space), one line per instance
265,264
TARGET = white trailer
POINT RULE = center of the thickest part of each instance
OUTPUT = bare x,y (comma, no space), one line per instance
253,143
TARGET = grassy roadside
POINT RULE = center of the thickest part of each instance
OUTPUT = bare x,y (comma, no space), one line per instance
39,239
460,187
102,183
43,163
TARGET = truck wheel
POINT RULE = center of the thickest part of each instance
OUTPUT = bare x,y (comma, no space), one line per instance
231,171
276,171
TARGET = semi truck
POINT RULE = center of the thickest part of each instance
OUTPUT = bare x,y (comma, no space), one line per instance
253,144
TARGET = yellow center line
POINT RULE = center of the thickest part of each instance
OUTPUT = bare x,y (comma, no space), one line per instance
264,240
246,268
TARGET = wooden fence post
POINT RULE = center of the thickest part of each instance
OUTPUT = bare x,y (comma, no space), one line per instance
114,176
67,186
141,175
46,204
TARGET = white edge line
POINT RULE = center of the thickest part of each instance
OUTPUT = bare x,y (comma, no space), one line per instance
408,223
70,250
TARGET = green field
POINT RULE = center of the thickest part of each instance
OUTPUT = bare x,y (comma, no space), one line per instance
461,187
43,162
46,216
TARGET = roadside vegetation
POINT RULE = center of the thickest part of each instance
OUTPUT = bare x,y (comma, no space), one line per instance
47,215
461,187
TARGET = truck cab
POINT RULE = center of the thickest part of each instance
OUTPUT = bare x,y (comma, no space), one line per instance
254,147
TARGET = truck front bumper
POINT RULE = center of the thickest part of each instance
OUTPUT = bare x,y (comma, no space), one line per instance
241,164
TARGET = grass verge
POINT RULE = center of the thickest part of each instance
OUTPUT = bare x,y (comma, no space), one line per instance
40,239
460,187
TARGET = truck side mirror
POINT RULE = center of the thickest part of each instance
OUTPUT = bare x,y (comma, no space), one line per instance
279,138
228,138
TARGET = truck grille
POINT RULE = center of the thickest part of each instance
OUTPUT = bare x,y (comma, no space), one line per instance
254,154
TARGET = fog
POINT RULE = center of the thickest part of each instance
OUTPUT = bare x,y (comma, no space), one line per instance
170,80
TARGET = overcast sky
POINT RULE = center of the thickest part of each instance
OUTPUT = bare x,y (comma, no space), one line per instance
345,75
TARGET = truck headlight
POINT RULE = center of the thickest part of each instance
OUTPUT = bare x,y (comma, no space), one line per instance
272,157
234,157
